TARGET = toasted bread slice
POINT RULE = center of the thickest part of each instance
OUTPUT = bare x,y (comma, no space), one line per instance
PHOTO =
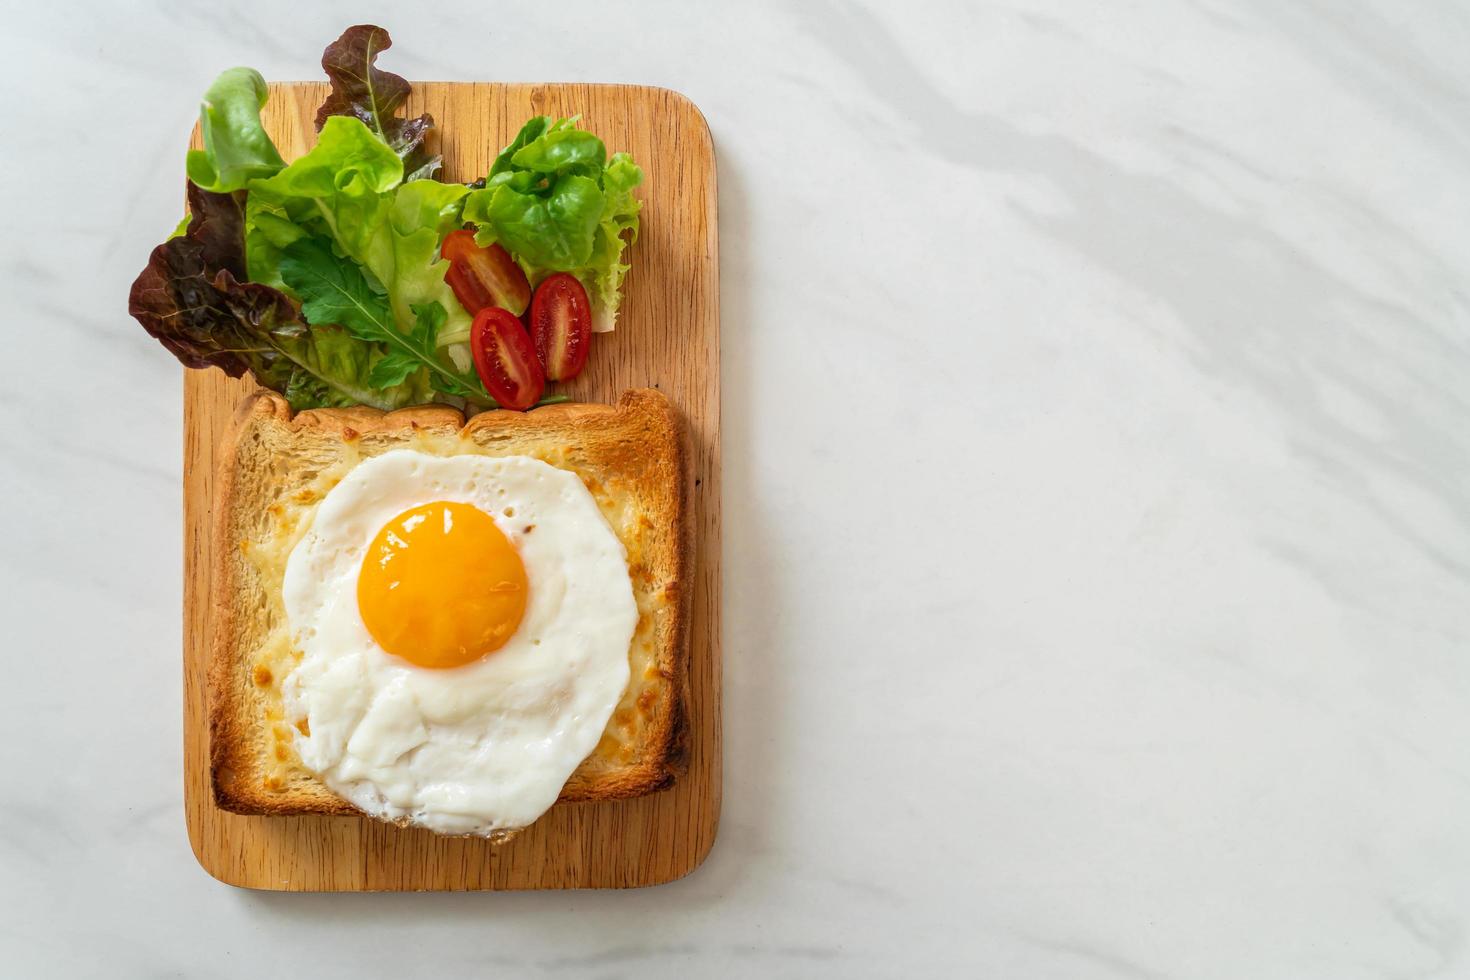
275,467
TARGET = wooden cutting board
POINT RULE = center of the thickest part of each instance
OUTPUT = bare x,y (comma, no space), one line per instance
668,336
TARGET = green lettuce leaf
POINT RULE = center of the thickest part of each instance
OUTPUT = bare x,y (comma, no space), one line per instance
534,128
236,146
556,201
268,229
348,189
550,229
618,228
422,213
342,184
340,355
561,150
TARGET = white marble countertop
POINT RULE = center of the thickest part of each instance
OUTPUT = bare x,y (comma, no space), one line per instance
1097,495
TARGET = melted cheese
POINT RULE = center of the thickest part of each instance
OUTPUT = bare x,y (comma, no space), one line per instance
288,520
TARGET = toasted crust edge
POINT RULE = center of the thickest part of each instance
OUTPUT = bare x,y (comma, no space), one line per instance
228,748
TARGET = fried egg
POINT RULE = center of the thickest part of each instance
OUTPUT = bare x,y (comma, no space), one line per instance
464,625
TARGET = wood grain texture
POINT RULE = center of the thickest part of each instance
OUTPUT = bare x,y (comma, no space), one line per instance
667,337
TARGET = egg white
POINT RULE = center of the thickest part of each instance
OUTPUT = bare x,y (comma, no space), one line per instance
488,746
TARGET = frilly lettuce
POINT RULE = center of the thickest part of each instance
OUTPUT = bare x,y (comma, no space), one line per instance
557,203
373,96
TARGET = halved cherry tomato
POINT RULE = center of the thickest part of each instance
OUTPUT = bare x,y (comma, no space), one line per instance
482,277
505,360
561,326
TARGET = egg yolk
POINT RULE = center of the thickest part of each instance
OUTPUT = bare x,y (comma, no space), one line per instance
441,586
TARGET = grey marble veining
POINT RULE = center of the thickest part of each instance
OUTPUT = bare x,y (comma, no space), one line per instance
1097,439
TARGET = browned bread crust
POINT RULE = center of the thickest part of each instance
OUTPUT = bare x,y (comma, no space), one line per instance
275,465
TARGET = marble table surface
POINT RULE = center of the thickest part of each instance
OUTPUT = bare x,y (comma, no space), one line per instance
1097,494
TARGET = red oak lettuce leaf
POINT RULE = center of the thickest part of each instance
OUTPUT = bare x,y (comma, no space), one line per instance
192,298
363,90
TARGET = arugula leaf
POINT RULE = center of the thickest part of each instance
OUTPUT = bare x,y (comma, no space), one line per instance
364,91
429,320
448,387
399,365
236,146
335,291
393,369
